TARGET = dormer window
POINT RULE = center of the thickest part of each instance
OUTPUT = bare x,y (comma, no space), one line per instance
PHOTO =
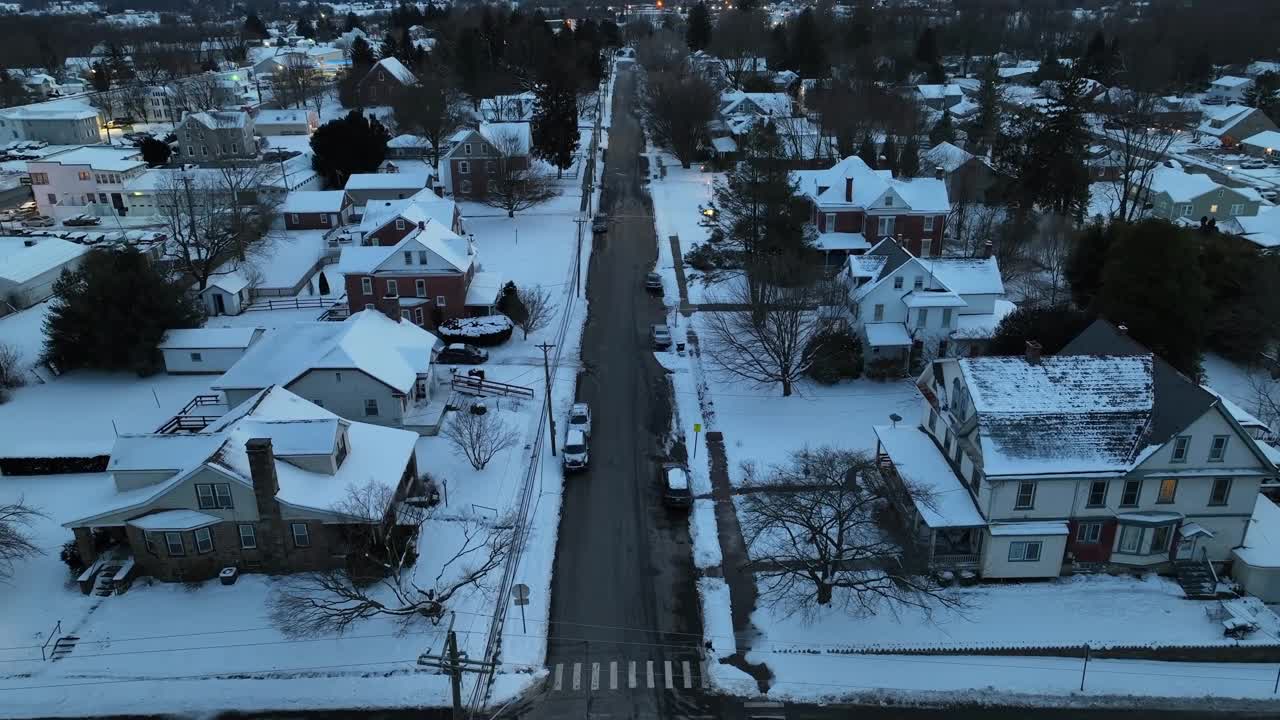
399,223
408,257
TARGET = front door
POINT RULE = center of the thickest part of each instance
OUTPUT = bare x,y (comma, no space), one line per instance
1186,548
219,305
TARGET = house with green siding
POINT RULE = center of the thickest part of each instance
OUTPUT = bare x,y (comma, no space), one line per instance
1182,197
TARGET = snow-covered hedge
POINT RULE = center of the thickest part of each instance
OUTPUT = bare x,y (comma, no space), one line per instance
485,331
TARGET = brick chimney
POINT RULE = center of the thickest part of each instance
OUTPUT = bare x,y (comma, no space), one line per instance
848,189
1033,352
270,528
939,173
987,248
390,306
422,224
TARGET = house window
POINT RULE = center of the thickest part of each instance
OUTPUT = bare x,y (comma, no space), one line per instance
197,357
829,222
465,187
420,387
1168,488
404,314
408,257
1160,539
897,282
464,168
204,541
399,223
301,535
85,175
878,313
1026,496
173,543
205,497
975,477
150,542
489,166
1237,209
928,227
1132,490
466,148
417,315
886,226
368,306
235,147
1180,445
248,537
888,201
933,420
1218,450
926,247
1213,208
371,407
324,218
39,178
393,288
293,218
946,323
366,285
1130,538
1023,551
223,491
918,283
422,257
922,317
337,377
1220,492
440,301
420,288
1097,494
946,442
1089,533
1185,210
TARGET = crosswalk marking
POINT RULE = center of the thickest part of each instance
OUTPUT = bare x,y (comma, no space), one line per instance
613,675
577,676
666,664
688,676
631,674
595,676
649,671
559,676
669,670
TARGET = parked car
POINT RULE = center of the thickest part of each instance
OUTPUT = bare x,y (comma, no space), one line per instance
1270,194
660,336
580,418
462,354
653,283
1253,164
574,454
82,221
600,224
27,207
675,485
38,221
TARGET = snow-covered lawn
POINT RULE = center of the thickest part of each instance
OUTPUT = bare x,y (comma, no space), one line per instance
24,332
703,533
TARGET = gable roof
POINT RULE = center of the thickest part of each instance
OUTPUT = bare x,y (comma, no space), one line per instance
937,92
967,276
827,187
501,134
391,352
1231,81
434,237
395,69
412,179
280,117
1181,186
220,119
946,156
773,104
314,201
424,206
210,337
20,262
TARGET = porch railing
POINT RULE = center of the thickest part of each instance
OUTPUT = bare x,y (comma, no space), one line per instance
956,560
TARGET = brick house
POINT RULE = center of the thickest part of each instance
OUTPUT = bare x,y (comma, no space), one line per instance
258,490
854,207
384,80
476,156
316,209
386,222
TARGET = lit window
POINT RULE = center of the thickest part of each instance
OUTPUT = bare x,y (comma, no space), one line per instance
1168,488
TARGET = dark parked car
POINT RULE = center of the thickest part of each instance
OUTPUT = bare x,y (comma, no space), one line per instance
82,221
653,283
675,485
600,224
460,354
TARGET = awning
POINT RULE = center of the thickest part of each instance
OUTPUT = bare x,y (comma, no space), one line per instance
887,335
1149,518
848,241
484,288
174,520
1191,530
935,490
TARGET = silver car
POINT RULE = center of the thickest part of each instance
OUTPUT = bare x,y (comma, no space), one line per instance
660,336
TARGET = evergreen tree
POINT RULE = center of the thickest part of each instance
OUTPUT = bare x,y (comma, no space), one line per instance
698,33
889,155
362,56
1243,291
1053,326
937,74
325,31
867,151
1098,59
112,311
510,304
391,46
1044,157
927,53
1264,94
988,120
1050,68
100,77
352,22
944,131
909,160
807,49
1153,284
348,145
555,119
155,152
304,28
1088,258
254,27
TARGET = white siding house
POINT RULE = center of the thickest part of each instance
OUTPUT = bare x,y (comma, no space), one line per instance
29,266
205,350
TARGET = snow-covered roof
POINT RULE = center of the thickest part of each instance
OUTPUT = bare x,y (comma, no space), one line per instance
283,117
1015,72
314,201
841,241
724,144
505,136
98,157
1267,139
946,156
174,520
209,338
983,325
415,179
1261,547
1181,186
827,188
1262,229
1065,413
46,112
772,104
159,452
887,334
1218,121
939,497
397,70
932,298
408,141
484,288
967,276
20,262
229,282
220,119
1231,81
938,92
455,251
423,206
392,352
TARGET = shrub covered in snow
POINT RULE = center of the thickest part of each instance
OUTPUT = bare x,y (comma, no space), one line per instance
484,331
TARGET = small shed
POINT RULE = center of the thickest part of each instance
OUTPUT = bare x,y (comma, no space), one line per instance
30,265
205,350
1257,560
226,294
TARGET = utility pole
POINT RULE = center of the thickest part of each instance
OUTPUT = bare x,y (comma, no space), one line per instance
546,370
455,664
455,672
577,260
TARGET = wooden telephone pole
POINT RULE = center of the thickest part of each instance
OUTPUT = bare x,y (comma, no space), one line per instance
455,664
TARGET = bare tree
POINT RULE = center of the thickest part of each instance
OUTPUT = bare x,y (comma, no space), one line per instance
16,519
11,370
739,41
297,81
679,107
479,436
1050,251
662,51
970,226
768,337
516,183
813,533
384,538
1266,400
432,109
201,93
132,99
538,309
1139,141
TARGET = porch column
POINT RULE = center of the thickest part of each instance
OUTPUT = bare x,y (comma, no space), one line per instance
932,543
84,543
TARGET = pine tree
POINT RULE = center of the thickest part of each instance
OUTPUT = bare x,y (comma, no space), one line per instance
1264,94
304,28
100,77
254,27
348,145
889,155
555,119
927,53
944,131
325,31
807,49
909,160
988,120
362,55
352,22
391,46
867,151
698,34
112,311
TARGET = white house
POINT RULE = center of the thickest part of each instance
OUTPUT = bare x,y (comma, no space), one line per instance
286,122
205,350
369,368
1256,563
1229,88
29,266
1101,456
54,123
905,306
89,179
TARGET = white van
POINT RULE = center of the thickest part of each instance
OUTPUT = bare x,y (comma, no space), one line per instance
574,456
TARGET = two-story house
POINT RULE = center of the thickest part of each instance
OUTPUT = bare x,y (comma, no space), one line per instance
969,178
56,124
1101,456
386,222
907,307
369,368
856,207
938,97
386,78
1181,197
217,135
259,490
1229,88
89,180
286,122
1233,123
316,209
474,156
